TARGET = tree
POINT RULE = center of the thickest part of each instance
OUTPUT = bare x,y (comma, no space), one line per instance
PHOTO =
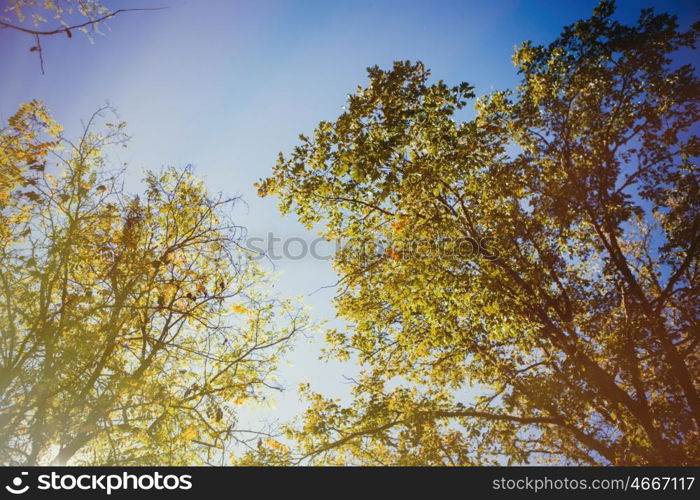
74,15
132,326
522,286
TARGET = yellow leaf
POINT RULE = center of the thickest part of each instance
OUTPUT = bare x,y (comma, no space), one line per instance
241,309
276,445
189,434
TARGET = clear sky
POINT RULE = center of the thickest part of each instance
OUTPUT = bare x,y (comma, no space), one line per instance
225,85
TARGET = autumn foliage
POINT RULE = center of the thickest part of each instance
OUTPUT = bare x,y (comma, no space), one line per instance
579,342
133,326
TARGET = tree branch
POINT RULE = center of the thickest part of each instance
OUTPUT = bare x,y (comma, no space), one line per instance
67,29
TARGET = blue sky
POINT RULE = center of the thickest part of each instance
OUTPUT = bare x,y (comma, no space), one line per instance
225,85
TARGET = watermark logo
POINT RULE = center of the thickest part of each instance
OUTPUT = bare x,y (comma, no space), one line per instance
17,488
107,483
273,247
113,482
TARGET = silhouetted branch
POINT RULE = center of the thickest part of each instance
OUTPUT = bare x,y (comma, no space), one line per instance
66,29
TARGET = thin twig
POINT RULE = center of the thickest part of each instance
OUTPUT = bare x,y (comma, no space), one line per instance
41,55
67,29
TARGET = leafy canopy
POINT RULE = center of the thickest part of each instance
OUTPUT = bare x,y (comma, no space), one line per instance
131,325
574,338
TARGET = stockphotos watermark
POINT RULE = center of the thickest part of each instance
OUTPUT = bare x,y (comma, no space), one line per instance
106,483
274,247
